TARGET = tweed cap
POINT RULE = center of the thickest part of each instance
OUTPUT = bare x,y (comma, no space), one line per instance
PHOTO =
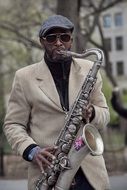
55,21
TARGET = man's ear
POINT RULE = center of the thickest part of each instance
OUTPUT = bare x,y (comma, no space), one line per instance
41,42
71,41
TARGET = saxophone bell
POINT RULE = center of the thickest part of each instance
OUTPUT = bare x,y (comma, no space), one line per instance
92,139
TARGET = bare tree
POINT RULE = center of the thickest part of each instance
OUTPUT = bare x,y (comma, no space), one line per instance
90,21
70,9
2,113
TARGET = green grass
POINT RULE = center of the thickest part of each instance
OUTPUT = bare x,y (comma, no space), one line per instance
107,90
124,97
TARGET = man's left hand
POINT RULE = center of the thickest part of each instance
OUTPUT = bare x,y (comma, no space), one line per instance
89,113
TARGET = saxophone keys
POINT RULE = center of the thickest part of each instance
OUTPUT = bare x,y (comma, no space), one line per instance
66,147
72,128
52,180
91,79
68,137
57,168
77,120
60,155
64,163
86,95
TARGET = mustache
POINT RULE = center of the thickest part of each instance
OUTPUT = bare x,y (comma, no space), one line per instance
59,49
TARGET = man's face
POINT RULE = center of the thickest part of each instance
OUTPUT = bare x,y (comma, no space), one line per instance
55,40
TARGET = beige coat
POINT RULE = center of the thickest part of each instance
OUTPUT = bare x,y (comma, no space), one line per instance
34,106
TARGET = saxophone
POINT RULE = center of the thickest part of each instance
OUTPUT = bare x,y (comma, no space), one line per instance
75,140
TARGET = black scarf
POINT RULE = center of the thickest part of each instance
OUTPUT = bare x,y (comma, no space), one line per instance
60,73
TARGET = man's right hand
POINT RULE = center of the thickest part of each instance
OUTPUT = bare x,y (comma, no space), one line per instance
44,156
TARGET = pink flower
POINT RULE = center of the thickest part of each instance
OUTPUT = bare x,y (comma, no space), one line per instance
78,143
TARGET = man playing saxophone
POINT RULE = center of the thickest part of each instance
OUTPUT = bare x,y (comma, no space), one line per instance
41,96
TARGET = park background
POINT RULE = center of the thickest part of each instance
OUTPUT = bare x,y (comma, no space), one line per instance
101,24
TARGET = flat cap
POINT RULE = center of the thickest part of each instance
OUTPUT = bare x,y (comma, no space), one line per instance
55,21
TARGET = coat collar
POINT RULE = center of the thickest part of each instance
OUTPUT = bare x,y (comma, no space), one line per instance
47,85
76,80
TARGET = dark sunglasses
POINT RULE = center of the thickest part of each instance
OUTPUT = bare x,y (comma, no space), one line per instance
52,38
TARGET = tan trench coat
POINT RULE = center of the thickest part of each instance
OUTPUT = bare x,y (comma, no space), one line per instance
34,106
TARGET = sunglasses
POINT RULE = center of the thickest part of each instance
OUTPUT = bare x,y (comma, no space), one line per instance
52,38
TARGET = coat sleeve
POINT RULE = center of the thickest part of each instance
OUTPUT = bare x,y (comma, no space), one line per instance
17,117
98,100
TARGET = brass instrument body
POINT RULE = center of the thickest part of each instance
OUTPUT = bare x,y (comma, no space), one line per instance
68,159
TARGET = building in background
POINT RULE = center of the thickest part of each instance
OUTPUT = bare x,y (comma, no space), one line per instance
114,23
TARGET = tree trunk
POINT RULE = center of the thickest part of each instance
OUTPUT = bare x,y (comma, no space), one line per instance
108,69
70,9
2,113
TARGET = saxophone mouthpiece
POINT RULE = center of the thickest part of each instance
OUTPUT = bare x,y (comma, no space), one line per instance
65,53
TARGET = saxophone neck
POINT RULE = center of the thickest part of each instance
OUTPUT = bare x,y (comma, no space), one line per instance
88,52
95,51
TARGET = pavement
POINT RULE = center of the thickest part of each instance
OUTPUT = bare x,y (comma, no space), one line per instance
13,184
118,182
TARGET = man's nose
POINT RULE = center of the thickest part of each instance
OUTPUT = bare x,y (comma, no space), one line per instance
58,42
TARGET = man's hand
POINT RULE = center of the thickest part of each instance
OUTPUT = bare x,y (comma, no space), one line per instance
89,113
44,156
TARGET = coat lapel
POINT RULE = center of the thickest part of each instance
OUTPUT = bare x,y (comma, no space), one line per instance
46,83
76,80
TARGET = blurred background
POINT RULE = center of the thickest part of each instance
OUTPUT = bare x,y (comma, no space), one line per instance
98,23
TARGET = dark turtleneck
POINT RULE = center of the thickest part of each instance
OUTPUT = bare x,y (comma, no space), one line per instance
60,72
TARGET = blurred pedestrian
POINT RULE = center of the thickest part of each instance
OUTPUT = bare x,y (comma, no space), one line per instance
117,105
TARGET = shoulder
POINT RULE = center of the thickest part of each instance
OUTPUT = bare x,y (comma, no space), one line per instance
83,65
83,62
27,70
